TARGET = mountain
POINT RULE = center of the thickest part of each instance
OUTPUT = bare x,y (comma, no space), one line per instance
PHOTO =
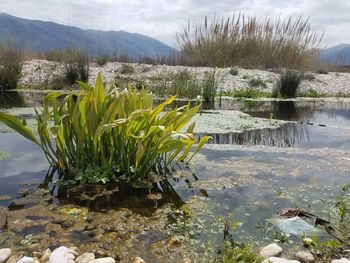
42,36
339,54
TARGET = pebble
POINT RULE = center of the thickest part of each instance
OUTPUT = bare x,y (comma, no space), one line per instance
61,255
175,241
101,253
138,260
279,260
26,260
272,250
5,253
85,258
342,260
305,257
103,260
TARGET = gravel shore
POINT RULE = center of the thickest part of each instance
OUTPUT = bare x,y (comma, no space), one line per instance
37,72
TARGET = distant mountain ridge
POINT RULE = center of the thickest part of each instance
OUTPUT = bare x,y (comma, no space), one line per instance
42,36
339,54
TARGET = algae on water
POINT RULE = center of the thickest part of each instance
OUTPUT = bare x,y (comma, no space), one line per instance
4,155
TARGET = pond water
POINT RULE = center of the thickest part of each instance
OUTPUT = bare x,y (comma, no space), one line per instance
247,176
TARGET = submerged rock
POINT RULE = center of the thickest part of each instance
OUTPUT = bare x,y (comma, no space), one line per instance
85,258
279,260
62,255
138,260
305,257
5,253
271,250
26,260
342,260
103,260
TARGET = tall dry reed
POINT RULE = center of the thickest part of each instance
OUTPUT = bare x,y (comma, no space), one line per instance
249,42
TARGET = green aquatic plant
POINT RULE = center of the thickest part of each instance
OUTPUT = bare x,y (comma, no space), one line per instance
250,93
233,252
209,86
288,84
121,134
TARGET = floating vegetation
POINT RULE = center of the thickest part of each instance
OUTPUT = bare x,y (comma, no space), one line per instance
4,155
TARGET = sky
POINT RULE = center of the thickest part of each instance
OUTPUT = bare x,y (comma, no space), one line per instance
161,19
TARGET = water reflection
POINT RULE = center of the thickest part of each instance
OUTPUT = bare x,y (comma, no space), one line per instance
289,135
14,99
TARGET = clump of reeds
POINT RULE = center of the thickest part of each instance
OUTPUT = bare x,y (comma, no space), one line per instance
76,67
288,84
10,65
249,42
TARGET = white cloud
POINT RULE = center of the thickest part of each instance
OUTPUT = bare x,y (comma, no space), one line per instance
162,18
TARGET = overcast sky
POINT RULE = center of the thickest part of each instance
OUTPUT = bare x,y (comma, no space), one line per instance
162,18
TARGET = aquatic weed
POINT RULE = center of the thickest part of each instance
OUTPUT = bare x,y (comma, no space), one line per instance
122,134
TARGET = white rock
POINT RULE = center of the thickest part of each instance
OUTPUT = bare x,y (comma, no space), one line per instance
279,260
61,255
305,257
342,260
138,260
26,260
85,258
5,253
272,250
103,260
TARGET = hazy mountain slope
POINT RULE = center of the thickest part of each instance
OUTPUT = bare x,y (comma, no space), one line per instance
40,35
337,54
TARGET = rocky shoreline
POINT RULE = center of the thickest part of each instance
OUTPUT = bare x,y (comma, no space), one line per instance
39,72
270,253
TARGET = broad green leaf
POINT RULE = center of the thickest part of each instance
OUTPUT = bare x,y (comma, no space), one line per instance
17,125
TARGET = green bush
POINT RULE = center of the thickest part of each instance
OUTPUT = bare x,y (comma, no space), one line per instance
122,136
101,60
256,82
183,83
233,71
311,93
126,69
10,66
322,71
76,67
210,86
288,84
233,252
250,93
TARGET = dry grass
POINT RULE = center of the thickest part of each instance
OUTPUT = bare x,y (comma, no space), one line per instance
248,42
